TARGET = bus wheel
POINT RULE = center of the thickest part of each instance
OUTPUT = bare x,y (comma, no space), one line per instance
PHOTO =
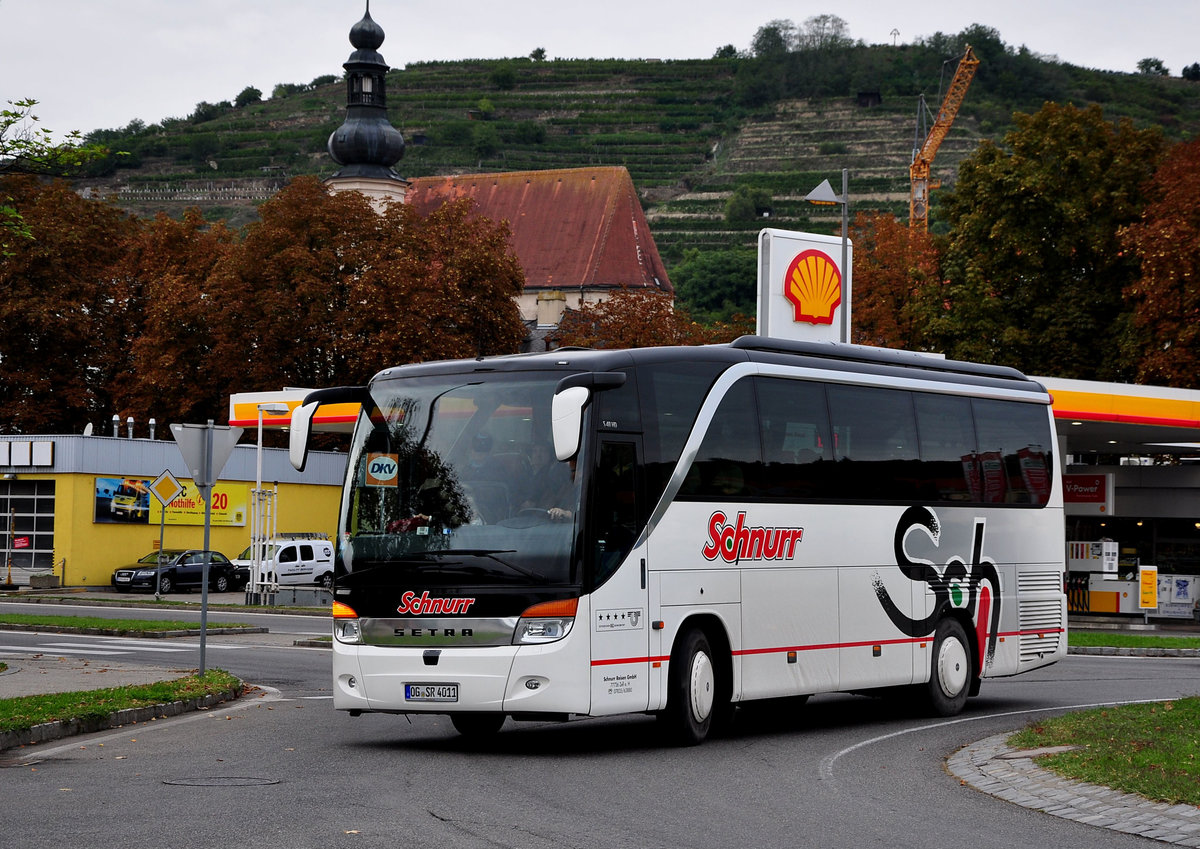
950,677
692,695
477,725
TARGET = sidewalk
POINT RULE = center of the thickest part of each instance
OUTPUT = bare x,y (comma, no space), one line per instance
35,676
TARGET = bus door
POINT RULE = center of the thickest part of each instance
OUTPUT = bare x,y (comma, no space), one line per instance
619,626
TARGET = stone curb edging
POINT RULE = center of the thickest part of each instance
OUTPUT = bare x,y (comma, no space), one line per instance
127,632
1110,651
993,767
59,729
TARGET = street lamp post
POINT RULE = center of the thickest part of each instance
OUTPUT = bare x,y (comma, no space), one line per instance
257,522
823,195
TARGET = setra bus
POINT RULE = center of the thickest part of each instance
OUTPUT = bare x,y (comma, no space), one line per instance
678,531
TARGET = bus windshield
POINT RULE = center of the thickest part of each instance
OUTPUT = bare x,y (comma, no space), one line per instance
453,480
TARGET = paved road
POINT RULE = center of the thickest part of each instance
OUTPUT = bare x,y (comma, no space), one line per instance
283,767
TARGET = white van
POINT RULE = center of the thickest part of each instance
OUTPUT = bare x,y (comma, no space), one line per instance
292,560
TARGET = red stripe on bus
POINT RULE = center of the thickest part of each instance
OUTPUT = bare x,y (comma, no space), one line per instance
821,647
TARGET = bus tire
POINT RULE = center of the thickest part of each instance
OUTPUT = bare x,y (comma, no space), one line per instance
951,673
692,699
477,725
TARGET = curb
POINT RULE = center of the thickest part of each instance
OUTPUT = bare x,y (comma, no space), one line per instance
48,731
991,766
1110,651
126,632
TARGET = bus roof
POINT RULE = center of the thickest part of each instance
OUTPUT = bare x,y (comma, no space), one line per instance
831,356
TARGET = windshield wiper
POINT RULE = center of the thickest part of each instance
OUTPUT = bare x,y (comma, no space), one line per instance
491,554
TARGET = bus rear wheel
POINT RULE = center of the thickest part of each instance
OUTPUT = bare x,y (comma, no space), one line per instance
477,725
692,699
951,673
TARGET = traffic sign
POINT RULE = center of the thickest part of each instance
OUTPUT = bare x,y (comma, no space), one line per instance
205,449
165,488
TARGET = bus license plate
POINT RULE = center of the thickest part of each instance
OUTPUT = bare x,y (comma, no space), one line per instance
431,692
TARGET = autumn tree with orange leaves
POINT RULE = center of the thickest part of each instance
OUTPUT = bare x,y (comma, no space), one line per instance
1166,296
108,314
895,279
638,318
62,337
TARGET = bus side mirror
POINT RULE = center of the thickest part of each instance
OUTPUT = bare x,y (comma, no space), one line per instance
301,432
566,420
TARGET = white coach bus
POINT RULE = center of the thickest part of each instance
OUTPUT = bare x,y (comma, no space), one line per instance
678,531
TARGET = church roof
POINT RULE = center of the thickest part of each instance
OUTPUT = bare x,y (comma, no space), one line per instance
572,228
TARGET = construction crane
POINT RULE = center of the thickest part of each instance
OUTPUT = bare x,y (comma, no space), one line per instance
924,152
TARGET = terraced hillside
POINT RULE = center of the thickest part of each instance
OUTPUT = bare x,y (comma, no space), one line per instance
788,154
687,131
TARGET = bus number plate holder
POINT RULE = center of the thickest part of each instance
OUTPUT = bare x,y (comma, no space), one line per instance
431,692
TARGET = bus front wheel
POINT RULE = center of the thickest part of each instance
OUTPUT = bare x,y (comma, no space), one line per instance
692,697
950,676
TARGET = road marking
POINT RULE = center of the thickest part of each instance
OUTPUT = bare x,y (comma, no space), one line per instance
126,649
827,763
39,649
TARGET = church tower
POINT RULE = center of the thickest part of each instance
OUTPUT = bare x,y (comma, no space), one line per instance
367,146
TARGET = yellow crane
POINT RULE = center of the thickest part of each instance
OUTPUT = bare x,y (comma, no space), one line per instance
922,162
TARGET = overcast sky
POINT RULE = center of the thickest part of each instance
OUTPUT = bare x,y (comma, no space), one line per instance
101,63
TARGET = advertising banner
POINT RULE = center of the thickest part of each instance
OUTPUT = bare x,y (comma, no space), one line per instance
1088,495
128,501
1148,587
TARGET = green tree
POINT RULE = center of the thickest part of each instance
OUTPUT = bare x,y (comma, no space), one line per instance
727,51
485,141
1152,67
773,38
747,203
1191,72
248,95
538,54
1034,270
823,32
716,285
504,77
1165,298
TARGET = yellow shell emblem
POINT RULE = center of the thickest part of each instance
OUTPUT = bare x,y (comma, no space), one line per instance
814,286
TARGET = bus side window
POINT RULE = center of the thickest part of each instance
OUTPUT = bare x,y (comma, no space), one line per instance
729,459
876,444
947,440
1015,451
796,446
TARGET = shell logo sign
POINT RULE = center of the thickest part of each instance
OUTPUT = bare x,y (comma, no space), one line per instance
813,284
803,289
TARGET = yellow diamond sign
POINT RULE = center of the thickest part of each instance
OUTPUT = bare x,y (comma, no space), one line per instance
165,488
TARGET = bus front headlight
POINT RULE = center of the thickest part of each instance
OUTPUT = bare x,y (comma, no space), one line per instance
546,622
345,624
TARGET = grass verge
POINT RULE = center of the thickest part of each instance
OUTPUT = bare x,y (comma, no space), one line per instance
141,626
1130,641
24,712
1149,749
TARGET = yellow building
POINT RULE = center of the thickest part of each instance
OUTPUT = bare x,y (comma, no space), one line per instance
80,506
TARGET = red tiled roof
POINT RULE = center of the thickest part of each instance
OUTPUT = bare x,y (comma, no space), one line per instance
572,228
